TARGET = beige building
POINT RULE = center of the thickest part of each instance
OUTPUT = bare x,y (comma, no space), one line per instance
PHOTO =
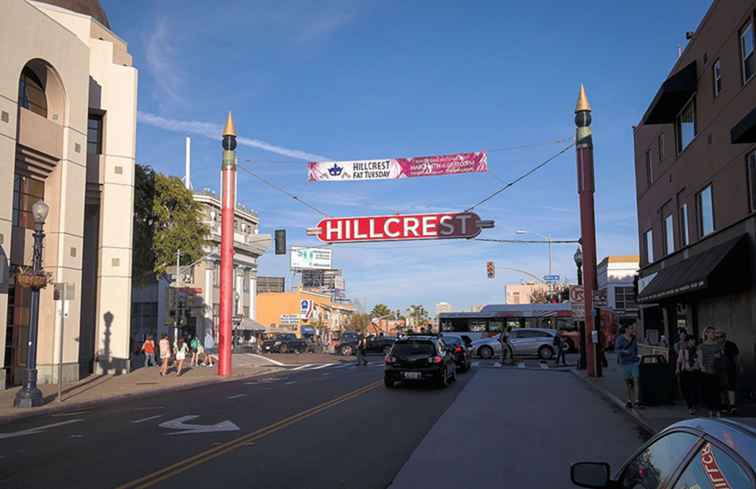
443,307
520,293
68,98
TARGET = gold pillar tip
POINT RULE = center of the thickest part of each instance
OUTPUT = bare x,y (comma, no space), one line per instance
582,101
229,130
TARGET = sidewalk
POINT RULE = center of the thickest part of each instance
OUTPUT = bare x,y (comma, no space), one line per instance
141,382
611,386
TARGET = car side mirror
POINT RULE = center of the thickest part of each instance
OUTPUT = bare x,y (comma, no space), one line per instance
595,475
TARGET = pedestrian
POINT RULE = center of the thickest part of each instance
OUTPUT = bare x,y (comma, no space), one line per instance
626,347
689,373
165,354
732,367
560,349
711,353
181,350
211,352
507,356
195,346
361,346
148,347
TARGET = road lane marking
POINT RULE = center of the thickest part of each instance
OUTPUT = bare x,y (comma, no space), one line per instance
76,413
323,366
38,429
306,365
274,362
290,382
172,470
136,421
180,424
77,436
237,396
543,365
325,373
521,365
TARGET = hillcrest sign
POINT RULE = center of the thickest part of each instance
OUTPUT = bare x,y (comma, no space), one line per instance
441,225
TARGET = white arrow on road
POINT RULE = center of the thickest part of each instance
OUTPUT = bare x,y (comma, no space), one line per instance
179,424
38,429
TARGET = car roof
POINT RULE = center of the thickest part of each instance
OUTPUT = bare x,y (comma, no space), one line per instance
540,330
417,337
739,434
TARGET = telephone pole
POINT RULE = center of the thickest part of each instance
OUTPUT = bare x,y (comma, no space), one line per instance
228,203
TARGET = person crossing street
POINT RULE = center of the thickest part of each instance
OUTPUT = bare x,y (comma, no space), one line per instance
361,347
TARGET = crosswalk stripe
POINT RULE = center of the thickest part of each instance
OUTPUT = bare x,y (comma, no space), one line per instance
302,367
323,366
543,365
521,365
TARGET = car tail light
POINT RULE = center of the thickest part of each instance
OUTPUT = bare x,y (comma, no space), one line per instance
389,359
436,359
458,349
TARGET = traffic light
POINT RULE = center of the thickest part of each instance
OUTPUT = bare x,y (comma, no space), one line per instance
490,269
280,241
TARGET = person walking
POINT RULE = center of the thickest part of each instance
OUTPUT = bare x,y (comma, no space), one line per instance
194,344
711,353
181,350
560,349
165,354
689,372
626,347
361,346
731,368
148,347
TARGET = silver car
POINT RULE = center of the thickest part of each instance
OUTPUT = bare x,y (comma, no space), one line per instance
524,342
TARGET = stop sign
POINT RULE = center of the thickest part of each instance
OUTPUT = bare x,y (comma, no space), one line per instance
441,225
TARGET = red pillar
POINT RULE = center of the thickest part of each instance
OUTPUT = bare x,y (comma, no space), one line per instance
586,189
228,201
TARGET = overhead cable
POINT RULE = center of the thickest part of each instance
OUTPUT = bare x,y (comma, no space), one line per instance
284,191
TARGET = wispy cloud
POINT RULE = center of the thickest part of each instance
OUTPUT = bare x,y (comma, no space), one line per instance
213,131
160,54
324,25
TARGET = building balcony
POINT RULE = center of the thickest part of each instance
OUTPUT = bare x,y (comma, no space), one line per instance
40,134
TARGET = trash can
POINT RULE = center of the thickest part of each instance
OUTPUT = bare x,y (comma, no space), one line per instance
656,380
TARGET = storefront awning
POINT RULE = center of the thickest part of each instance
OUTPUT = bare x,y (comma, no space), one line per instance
247,324
690,275
745,130
672,96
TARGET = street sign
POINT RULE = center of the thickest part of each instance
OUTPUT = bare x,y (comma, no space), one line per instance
577,301
289,319
551,279
305,309
441,225
490,269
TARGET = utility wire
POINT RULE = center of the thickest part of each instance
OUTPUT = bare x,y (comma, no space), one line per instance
521,177
529,241
276,187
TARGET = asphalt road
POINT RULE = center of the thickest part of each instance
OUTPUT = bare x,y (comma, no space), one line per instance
330,427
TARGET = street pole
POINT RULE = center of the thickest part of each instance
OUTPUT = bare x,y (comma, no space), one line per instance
586,189
30,395
228,172
60,341
176,297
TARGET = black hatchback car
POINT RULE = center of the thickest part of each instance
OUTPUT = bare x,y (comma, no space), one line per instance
696,453
285,343
419,359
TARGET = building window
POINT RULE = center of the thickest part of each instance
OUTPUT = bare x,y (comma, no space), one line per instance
686,125
684,235
669,235
751,170
246,312
216,275
26,191
94,134
716,71
661,147
746,52
245,282
516,297
624,298
705,212
649,241
649,168
31,93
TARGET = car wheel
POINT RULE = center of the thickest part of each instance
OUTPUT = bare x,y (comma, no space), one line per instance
283,349
485,352
443,380
346,351
388,382
454,375
545,352
567,345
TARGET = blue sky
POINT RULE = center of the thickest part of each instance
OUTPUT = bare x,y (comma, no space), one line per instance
374,79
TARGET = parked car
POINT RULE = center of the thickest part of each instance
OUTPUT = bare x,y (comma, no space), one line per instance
462,353
695,453
419,359
284,343
347,343
379,344
523,342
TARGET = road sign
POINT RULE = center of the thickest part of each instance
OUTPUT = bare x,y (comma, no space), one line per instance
490,269
551,279
577,301
442,225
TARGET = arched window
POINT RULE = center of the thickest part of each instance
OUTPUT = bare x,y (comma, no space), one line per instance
31,93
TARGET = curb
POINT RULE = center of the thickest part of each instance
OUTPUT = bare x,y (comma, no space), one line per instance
617,402
53,407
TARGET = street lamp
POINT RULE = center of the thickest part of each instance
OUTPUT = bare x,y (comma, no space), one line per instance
547,238
30,395
579,263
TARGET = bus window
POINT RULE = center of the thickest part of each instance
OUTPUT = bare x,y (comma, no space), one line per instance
566,324
447,326
496,326
478,326
531,322
513,323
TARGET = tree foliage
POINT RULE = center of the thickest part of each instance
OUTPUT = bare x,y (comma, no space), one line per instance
166,219
380,310
359,322
417,314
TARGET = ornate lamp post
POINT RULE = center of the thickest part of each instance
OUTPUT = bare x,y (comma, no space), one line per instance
579,264
30,395
228,199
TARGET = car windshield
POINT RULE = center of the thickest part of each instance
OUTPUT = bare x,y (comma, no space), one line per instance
407,348
451,340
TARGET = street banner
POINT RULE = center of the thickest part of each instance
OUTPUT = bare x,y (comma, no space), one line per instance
388,169
443,225
310,258
305,309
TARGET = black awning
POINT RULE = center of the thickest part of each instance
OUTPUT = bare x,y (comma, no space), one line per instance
672,96
690,275
745,130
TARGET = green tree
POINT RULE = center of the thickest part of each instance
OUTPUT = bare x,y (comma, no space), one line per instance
398,315
417,314
359,322
380,310
166,219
